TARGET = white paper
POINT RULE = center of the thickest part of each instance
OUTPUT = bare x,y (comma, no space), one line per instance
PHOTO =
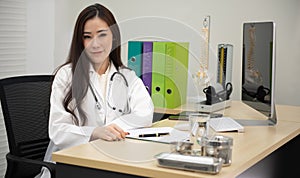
174,134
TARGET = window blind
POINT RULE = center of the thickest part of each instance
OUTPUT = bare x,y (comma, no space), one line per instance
12,54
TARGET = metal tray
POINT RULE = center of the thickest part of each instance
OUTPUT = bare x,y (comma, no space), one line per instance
202,164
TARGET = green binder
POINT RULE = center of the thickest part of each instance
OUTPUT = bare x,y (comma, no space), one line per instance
158,74
176,73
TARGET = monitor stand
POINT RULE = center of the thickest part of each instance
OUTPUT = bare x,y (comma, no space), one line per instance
271,121
245,122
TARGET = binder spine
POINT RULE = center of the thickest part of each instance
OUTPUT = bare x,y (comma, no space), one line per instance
163,68
158,74
176,74
171,91
135,50
147,65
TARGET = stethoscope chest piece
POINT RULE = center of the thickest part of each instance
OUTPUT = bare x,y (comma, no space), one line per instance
118,92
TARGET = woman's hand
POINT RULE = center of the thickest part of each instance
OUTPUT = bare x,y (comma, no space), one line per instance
110,132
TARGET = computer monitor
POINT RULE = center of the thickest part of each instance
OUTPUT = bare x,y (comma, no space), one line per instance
258,70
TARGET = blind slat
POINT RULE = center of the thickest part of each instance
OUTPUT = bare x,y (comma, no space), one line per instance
13,14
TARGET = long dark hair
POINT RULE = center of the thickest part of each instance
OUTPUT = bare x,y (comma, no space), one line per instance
79,59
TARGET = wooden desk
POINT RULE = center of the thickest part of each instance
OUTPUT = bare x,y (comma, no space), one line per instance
131,158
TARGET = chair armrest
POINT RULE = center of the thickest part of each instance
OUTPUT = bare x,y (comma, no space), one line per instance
50,166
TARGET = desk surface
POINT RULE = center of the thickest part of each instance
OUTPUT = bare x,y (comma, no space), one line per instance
240,110
137,157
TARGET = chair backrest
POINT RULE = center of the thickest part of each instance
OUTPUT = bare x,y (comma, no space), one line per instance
25,104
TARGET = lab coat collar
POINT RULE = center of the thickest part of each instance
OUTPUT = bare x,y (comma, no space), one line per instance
112,69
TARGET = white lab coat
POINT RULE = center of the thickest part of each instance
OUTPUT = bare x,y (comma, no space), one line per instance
64,133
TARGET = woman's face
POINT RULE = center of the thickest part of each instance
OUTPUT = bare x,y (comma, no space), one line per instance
97,40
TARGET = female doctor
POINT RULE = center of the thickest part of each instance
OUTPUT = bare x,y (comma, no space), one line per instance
94,96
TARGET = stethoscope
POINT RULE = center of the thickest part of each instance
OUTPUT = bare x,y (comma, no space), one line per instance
98,105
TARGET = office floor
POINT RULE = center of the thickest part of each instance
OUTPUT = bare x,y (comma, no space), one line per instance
284,162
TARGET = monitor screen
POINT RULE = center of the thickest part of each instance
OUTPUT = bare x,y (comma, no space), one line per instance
258,69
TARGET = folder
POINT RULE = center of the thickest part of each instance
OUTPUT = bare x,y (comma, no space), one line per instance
135,50
176,73
147,65
158,74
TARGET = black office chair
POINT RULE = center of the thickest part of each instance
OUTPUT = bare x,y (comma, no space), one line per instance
25,104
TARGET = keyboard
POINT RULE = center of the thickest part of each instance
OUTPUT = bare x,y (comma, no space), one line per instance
225,124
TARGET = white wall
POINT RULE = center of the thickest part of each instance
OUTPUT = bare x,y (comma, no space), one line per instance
40,36
182,20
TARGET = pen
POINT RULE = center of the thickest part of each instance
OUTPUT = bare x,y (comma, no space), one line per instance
186,117
153,135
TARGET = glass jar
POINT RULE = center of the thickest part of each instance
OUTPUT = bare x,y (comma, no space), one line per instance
219,147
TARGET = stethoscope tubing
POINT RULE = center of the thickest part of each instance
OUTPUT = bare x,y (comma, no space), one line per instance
98,105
